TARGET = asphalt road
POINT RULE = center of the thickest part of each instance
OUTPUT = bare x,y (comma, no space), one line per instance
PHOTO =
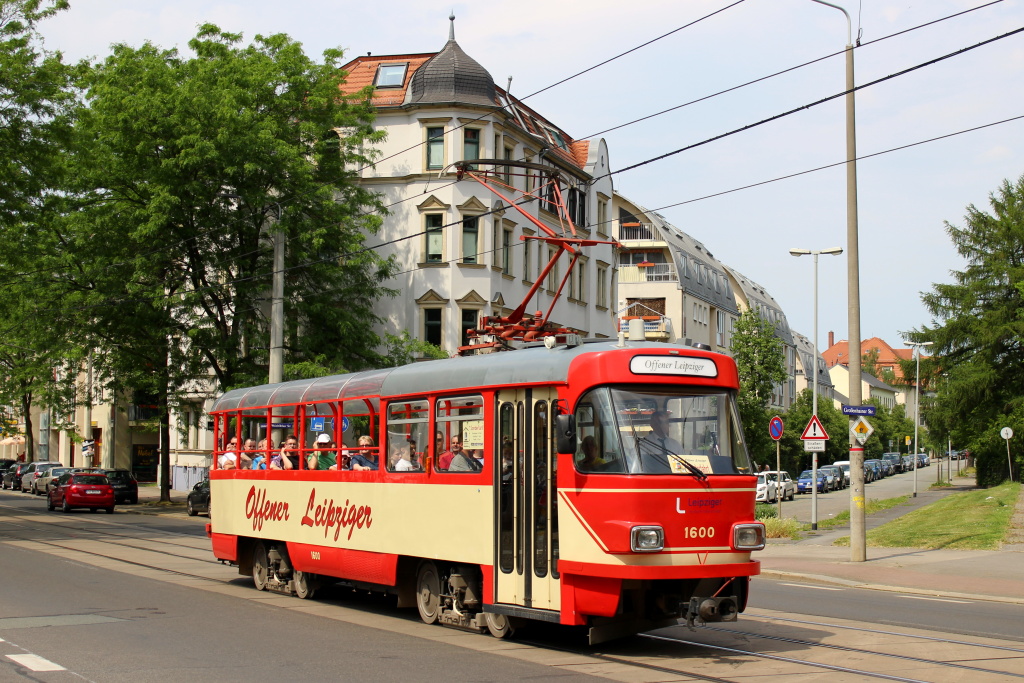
82,593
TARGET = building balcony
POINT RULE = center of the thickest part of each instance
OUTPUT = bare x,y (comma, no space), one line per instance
654,272
656,327
639,232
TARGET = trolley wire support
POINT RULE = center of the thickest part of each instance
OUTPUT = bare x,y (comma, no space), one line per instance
502,333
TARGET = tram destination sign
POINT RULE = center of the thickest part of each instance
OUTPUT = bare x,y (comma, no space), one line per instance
673,365
858,410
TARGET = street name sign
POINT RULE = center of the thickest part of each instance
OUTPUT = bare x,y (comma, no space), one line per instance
858,410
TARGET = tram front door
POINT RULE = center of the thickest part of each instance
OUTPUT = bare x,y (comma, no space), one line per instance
526,562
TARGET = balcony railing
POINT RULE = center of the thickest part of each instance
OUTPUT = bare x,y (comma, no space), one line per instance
638,232
654,325
655,272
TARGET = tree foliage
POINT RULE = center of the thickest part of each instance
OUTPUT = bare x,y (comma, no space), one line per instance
183,167
37,105
977,332
759,356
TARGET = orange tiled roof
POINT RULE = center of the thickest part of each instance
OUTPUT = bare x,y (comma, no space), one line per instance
363,70
888,357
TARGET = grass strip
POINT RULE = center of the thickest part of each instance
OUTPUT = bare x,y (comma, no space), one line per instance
973,520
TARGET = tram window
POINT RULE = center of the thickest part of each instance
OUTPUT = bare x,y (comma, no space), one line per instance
660,432
460,420
541,474
506,434
408,431
320,450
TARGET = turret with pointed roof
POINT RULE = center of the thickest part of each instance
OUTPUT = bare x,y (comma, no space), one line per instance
452,76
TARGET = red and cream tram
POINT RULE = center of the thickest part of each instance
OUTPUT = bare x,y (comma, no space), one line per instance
596,484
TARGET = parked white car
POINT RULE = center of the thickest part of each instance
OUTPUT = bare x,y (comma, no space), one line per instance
784,484
767,491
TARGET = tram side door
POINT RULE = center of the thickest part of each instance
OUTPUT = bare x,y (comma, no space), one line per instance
526,519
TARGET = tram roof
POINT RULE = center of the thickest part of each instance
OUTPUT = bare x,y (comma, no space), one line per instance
531,365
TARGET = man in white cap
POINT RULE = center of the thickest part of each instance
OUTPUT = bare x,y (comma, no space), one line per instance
324,457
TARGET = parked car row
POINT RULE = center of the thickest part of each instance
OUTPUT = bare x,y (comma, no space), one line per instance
874,469
39,478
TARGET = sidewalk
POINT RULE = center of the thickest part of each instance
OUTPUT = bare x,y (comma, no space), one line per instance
976,574
149,502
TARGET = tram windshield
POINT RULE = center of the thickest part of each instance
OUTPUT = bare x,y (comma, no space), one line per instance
691,433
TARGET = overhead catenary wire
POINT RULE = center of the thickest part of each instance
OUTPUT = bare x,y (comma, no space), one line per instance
17,276
335,257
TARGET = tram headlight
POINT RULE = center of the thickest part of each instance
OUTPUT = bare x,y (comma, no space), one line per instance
647,539
748,536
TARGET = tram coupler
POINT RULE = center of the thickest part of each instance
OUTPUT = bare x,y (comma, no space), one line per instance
706,610
461,620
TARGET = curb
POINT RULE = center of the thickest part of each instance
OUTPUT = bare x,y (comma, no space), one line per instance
849,583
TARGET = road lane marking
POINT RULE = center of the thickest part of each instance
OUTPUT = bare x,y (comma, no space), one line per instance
807,585
921,597
36,663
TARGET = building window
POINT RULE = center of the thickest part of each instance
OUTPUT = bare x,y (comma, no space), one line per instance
552,281
391,75
470,318
509,155
471,143
506,251
527,259
720,328
435,238
435,148
602,217
602,286
432,326
580,276
470,239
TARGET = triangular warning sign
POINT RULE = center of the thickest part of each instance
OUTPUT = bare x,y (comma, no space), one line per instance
814,430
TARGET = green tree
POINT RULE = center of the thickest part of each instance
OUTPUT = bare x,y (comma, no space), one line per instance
183,169
759,356
977,333
37,104
796,418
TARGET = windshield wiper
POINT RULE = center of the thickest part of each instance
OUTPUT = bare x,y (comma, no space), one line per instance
694,470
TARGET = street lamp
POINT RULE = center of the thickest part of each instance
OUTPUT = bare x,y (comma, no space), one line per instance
917,401
834,251
858,540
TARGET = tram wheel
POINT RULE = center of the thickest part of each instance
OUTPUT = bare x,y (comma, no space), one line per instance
259,566
305,584
499,625
428,593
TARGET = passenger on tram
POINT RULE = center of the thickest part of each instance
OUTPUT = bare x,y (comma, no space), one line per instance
591,461
323,458
464,461
288,458
229,459
366,458
406,458
248,447
445,461
259,461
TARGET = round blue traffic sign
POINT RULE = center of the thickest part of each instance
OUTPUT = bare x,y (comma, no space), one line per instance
775,427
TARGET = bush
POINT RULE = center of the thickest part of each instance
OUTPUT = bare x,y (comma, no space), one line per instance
763,511
782,528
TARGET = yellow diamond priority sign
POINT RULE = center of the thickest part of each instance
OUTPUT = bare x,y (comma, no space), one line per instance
862,429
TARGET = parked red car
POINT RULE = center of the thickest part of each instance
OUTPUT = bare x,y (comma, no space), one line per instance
81,490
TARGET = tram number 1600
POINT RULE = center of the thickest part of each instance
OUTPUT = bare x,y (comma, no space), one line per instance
700,532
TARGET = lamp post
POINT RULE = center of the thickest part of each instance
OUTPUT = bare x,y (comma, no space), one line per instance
917,401
835,251
858,542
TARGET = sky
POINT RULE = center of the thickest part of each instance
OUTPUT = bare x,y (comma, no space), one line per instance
905,197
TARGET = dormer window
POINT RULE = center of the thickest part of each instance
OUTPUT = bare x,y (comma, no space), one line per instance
391,75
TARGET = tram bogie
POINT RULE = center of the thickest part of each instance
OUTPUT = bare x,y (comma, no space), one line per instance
602,487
